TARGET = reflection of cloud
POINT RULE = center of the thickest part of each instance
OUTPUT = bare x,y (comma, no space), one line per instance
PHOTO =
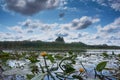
30,7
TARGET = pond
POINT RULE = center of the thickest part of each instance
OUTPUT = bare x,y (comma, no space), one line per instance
19,69
109,51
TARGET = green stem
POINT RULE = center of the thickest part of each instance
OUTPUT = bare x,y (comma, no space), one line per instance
80,73
60,65
48,69
83,66
67,58
42,68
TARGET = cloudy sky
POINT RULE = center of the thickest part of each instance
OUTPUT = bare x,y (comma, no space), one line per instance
88,21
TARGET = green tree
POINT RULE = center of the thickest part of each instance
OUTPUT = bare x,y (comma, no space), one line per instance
60,39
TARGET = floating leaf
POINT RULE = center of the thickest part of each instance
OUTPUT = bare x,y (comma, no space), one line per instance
77,77
60,74
68,68
118,55
109,69
101,66
59,57
40,76
70,52
33,60
34,69
29,76
105,55
50,57
73,61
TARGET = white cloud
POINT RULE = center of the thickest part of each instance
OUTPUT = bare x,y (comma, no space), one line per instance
114,4
35,29
111,28
31,25
108,34
30,7
31,30
10,36
81,23
62,4
75,24
16,28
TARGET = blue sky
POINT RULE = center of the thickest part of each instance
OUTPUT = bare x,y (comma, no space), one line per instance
88,21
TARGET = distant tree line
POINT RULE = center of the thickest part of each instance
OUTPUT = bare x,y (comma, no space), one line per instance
58,44
39,45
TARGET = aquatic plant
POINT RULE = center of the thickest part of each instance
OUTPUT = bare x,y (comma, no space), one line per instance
42,65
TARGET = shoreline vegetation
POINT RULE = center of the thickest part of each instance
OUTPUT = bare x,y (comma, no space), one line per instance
51,46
